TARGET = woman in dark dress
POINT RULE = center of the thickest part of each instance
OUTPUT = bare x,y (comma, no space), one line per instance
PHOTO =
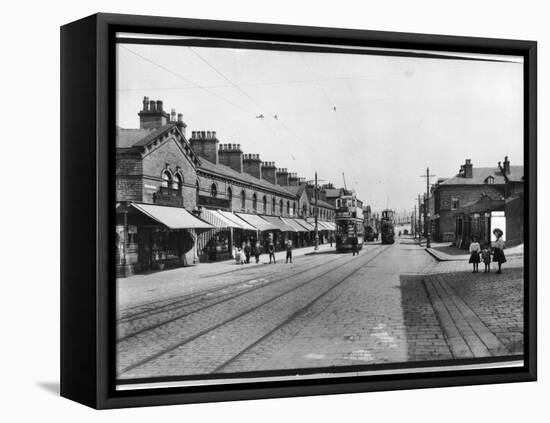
498,247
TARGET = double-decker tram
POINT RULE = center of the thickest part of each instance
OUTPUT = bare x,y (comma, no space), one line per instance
387,225
349,223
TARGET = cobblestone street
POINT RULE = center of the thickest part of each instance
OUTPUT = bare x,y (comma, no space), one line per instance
392,303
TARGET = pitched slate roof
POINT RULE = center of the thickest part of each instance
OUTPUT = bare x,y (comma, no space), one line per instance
222,170
297,190
128,138
333,192
480,174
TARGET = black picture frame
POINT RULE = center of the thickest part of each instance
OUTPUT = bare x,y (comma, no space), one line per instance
87,272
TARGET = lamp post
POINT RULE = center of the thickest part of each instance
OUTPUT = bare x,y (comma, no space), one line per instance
427,224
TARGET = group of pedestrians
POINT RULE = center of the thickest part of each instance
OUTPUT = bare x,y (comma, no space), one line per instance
254,249
478,254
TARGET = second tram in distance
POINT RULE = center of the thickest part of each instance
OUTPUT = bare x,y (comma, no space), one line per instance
349,223
387,225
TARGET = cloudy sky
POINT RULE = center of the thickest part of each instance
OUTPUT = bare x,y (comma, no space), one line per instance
380,120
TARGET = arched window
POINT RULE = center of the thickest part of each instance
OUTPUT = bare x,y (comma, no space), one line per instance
281,206
214,191
166,179
243,200
265,204
287,207
230,198
273,206
294,209
178,182
255,202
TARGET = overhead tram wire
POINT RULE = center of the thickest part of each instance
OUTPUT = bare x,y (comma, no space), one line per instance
247,95
329,101
183,78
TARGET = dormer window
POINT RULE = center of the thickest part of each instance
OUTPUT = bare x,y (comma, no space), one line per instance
490,180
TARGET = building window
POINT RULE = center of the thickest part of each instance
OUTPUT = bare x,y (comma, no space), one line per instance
166,179
254,202
230,198
273,206
294,209
265,204
454,203
197,194
214,191
288,207
490,180
178,183
281,206
243,200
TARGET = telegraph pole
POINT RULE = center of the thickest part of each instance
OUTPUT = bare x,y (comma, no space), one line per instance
316,215
427,224
419,219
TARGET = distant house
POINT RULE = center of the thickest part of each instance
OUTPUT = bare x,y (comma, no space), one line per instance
472,202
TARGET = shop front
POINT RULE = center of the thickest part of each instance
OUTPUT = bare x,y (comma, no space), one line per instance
477,221
152,237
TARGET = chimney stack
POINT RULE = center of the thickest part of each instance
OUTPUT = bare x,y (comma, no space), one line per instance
152,115
231,155
468,169
293,179
282,176
204,144
269,172
252,165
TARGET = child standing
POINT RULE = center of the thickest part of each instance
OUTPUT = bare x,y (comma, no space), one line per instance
475,248
486,257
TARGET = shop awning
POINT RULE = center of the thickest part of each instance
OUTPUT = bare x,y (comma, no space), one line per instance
308,226
237,221
172,217
217,219
329,226
281,225
323,226
257,222
292,222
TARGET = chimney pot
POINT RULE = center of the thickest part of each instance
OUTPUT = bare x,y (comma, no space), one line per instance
159,106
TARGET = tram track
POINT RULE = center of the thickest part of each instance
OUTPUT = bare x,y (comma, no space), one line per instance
209,329
153,307
202,306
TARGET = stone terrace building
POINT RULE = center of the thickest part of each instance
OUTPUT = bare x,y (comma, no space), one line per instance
172,192
464,205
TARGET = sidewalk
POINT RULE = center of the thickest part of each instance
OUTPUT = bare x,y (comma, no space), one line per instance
443,251
198,277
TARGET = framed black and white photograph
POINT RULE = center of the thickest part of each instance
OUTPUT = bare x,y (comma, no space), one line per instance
279,211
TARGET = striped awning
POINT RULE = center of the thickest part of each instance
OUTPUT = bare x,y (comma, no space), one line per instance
172,217
237,221
280,223
217,219
292,222
257,222
308,226
329,226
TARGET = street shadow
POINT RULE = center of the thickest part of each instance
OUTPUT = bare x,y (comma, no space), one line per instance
51,387
425,339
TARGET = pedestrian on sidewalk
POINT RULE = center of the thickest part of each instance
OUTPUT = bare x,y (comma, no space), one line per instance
247,251
354,246
486,257
288,251
271,252
256,251
498,247
475,249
